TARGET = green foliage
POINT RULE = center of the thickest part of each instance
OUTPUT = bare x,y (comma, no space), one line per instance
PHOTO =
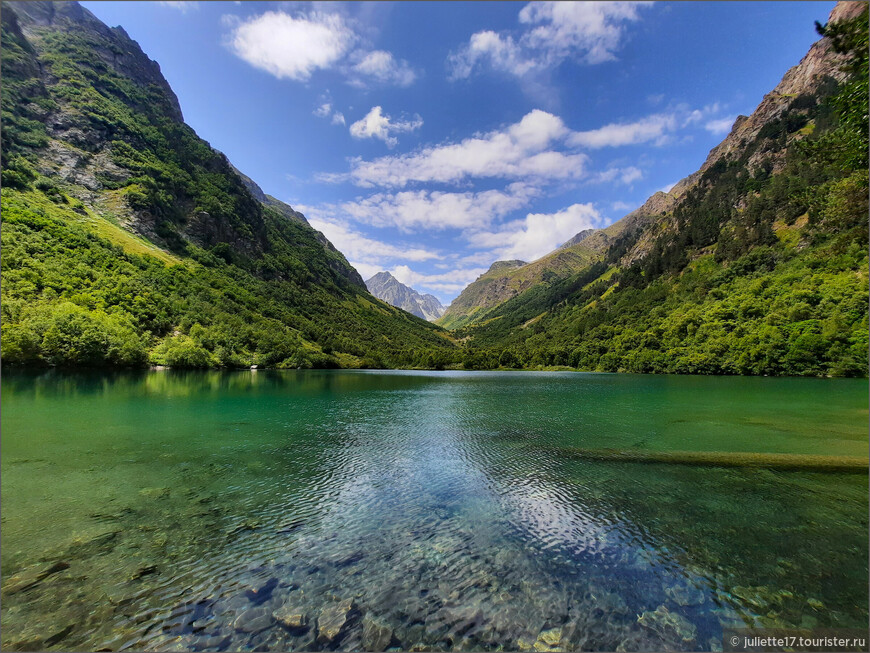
763,272
71,297
183,351
65,334
850,140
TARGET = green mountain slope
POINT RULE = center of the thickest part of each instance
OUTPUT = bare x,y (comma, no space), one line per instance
128,239
507,279
756,265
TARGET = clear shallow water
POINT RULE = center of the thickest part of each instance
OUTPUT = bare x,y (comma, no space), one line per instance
427,511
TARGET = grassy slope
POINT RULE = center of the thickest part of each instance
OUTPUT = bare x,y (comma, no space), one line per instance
494,287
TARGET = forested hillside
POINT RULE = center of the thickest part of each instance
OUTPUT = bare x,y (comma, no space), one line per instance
127,239
759,267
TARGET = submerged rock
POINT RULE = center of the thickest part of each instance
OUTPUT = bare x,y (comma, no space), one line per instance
59,635
376,635
145,570
155,492
666,623
179,643
759,597
290,617
684,595
525,644
262,593
548,640
32,577
333,618
253,620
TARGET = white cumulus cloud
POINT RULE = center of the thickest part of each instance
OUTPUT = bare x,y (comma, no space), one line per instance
651,128
181,5
519,151
538,233
383,67
357,246
591,32
437,210
539,148
294,46
500,52
326,110
625,175
377,125
720,126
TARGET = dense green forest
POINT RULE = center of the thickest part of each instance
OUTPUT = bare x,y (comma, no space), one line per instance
760,269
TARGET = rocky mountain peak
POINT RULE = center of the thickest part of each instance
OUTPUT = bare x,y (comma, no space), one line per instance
387,288
112,44
578,238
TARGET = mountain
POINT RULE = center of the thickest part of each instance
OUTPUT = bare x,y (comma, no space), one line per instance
754,264
387,288
127,239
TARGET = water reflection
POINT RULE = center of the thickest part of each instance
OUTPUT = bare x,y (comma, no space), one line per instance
333,510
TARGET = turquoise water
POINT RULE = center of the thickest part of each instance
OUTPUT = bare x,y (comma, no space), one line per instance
425,511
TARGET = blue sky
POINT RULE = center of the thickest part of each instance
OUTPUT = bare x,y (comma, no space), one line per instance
431,139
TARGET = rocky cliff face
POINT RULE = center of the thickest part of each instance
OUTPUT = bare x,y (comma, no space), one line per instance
115,48
387,288
816,68
338,264
819,64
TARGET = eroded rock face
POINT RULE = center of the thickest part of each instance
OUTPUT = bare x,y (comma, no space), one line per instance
85,148
819,63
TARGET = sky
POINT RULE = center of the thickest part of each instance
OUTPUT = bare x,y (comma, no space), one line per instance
430,139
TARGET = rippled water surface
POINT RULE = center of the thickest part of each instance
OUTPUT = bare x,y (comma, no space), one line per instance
422,511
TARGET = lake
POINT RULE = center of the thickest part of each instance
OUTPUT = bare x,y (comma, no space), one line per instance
334,510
